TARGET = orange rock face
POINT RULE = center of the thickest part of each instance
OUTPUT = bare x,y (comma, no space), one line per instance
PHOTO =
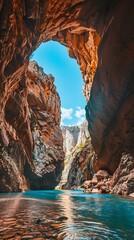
31,154
44,114
99,34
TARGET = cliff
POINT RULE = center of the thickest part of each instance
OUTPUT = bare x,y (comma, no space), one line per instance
99,34
31,139
78,156
44,113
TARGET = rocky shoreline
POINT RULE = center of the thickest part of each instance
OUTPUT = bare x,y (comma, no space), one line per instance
101,182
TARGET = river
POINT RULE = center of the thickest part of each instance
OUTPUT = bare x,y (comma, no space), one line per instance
66,215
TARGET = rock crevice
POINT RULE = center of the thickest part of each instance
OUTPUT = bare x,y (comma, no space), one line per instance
31,139
78,156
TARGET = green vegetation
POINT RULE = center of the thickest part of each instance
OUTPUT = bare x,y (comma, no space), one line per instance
87,142
67,160
81,146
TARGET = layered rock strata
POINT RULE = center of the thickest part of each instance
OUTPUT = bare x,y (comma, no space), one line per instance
44,113
99,34
31,139
78,156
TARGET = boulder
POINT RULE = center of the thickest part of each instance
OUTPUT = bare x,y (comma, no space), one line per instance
102,174
131,195
94,180
96,190
100,184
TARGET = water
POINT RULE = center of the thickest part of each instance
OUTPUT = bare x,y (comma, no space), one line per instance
37,215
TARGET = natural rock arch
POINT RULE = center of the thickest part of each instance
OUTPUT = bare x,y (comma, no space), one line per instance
85,27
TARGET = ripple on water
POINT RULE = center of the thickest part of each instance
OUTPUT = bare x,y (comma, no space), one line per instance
90,230
65,215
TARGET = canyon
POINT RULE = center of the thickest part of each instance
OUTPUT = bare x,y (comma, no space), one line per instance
31,154
100,36
79,155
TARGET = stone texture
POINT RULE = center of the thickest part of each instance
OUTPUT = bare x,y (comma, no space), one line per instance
32,155
123,178
78,156
99,34
102,174
81,165
100,183
131,195
74,136
110,108
44,114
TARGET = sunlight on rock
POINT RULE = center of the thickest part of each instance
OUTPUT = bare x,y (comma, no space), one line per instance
66,120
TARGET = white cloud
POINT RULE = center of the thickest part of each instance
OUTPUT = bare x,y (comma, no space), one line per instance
66,113
80,114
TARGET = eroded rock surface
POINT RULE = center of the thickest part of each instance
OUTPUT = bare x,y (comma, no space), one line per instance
44,112
85,27
32,154
123,178
78,156
100,183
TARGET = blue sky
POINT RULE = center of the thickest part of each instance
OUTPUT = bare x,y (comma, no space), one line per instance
54,59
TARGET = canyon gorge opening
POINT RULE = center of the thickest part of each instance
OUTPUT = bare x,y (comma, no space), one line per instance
100,36
54,59
94,35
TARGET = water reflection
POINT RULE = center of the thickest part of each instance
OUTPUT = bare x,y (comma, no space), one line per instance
12,205
67,205
65,215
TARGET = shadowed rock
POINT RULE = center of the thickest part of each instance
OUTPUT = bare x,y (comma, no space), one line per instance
99,34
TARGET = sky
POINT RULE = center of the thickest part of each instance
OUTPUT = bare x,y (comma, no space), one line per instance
54,59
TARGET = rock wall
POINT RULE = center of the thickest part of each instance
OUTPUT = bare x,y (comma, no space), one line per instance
44,113
99,34
32,152
78,156
74,136
123,178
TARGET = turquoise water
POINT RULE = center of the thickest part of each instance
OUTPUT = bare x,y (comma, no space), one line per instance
39,215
